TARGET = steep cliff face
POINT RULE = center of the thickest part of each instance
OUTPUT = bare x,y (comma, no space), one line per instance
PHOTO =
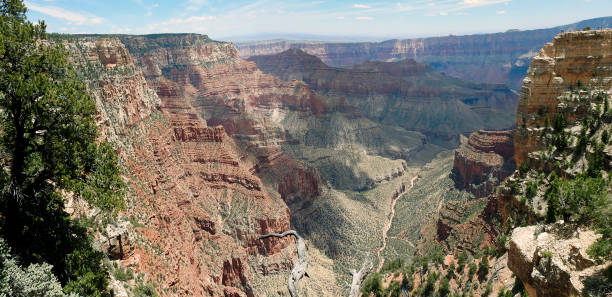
190,191
405,93
562,79
296,146
493,58
483,161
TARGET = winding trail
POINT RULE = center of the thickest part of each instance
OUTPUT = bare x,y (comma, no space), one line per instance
381,260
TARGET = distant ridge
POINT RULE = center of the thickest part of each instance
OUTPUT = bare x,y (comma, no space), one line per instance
494,58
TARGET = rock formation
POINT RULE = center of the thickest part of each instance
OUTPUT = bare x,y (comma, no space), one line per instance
572,61
404,93
189,190
493,58
483,161
550,264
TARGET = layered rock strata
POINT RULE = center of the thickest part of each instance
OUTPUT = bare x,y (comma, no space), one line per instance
483,161
404,93
574,62
493,58
190,191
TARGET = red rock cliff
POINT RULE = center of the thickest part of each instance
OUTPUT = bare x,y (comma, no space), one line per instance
190,191
483,161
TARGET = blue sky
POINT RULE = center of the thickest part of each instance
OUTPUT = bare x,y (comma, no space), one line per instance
374,19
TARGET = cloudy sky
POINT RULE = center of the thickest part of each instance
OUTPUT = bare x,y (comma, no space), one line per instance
222,19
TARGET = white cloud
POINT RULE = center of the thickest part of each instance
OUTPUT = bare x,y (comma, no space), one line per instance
443,13
340,18
195,5
475,3
403,7
189,20
364,18
70,16
500,12
357,5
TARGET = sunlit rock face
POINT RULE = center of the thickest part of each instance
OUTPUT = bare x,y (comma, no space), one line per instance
575,61
483,161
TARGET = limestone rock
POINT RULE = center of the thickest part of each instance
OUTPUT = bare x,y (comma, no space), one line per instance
571,61
550,264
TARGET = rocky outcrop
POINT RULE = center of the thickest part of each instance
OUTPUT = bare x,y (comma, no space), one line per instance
551,264
190,190
493,58
483,161
404,93
560,80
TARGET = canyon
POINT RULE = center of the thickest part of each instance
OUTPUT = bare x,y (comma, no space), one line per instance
218,153
405,93
501,58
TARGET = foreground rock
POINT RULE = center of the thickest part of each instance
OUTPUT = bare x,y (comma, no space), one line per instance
550,264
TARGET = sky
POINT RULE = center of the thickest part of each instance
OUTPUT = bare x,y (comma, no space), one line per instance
238,19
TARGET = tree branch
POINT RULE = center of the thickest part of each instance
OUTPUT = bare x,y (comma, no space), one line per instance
299,269
359,276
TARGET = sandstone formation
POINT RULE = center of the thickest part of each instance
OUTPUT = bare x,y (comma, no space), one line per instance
218,153
483,161
404,93
551,264
189,190
494,58
571,62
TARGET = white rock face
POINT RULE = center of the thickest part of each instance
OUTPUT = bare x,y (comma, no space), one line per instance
550,264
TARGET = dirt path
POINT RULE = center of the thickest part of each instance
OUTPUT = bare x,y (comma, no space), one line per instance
381,260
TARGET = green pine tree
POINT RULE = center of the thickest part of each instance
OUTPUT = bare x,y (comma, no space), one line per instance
49,143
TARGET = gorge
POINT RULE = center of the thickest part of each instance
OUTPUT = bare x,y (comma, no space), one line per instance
396,168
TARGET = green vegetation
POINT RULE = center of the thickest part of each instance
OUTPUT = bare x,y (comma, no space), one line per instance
35,280
532,190
48,145
483,268
373,284
546,254
407,282
576,200
444,288
392,266
461,260
472,270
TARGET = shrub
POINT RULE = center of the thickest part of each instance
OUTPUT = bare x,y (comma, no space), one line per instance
461,260
373,284
523,169
444,288
546,254
605,137
407,282
472,270
35,280
393,265
483,268
532,190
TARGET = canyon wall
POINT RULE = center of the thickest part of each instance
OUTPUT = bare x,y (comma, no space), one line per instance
405,93
494,58
483,161
190,192
561,80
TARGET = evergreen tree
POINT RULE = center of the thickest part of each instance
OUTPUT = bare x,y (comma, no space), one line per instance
48,144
